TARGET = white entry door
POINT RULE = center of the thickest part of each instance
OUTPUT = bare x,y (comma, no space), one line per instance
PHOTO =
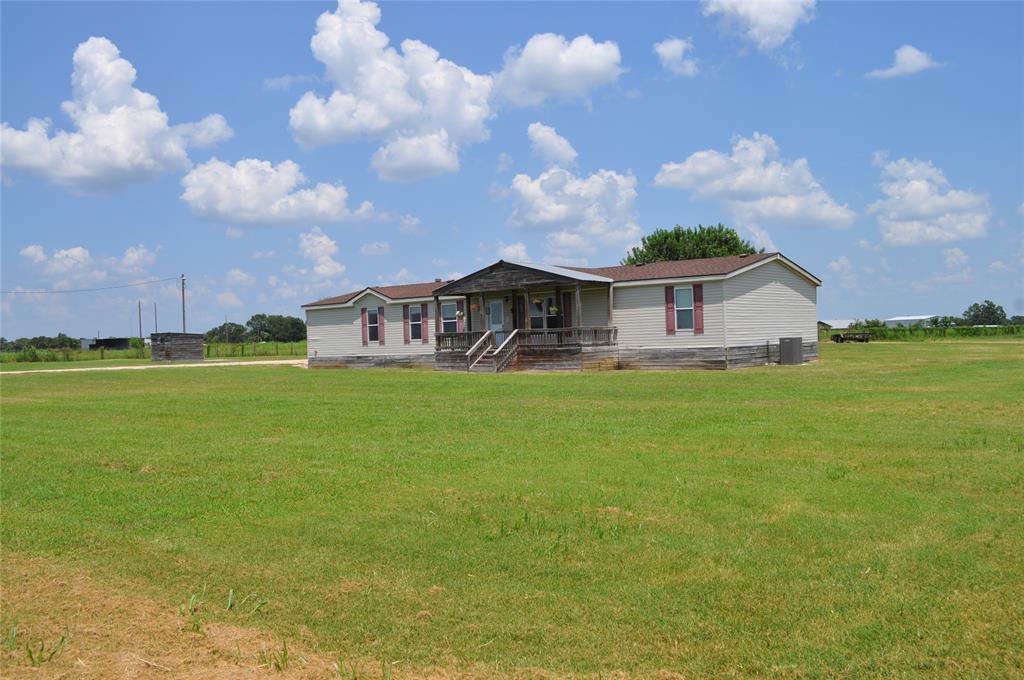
496,316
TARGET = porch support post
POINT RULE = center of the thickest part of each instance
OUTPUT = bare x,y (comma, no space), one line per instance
578,312
526,309
611,305
438,326
469,315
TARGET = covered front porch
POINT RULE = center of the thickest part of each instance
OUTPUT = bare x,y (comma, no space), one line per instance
519,316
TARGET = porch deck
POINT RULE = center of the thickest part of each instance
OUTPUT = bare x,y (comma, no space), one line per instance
521,349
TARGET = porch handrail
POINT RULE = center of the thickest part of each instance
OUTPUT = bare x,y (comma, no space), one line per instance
504,354
481,346
571,336
456,342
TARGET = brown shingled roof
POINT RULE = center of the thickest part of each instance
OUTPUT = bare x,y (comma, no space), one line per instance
711,266
403,291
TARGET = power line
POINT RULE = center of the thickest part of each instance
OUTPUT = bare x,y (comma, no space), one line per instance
86,290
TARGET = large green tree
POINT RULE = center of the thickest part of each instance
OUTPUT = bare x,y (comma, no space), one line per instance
985,313
226,332
275,328
689,243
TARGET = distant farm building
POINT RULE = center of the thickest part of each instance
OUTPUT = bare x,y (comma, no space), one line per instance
920,319
110,343
835,324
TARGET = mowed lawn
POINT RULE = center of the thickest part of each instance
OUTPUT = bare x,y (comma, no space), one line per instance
863,516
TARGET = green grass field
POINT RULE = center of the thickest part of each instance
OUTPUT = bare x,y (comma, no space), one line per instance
863,516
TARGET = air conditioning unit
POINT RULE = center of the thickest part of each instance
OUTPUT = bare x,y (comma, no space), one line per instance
791,351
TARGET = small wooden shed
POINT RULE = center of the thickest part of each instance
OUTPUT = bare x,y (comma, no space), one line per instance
177,346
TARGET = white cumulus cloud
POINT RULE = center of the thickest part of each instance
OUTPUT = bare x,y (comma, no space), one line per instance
957,272
766,23
921,206
672,55
410,159
578,214
256,191
237,277
843,269
138,257
318,249
906,60
513,251
228,299
76,267
121,135
757,186
388,94
551,67
422,108
375,248
34,253
550,145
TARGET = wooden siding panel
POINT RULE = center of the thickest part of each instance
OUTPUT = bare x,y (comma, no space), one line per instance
639,315
338,333
595,306
768,303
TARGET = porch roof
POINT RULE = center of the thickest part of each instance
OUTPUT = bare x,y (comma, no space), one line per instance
508,275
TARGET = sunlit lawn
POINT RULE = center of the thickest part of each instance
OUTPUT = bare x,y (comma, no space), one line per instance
861,516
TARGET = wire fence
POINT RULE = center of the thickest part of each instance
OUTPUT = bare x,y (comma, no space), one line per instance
927,332
214,350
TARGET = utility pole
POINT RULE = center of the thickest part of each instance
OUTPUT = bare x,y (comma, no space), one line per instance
142,343
182,303
156,328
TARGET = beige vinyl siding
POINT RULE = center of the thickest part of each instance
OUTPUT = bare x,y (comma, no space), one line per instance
595,306
767,303
639,314
339,332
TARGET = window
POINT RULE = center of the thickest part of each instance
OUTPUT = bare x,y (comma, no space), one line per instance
415,322
449,321
372,326
684,308
541,315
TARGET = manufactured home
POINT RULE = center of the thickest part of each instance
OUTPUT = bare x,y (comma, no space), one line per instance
717,313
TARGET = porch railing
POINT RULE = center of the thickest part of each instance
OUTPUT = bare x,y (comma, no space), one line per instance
504,354
485,343
577,336
457,342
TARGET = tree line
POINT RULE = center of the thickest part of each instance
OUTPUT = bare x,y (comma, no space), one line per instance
985,313
259,328
59,341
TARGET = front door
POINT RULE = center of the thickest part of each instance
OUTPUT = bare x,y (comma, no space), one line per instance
496,319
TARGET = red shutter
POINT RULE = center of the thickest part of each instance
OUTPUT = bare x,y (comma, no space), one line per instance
568,319
460,306
406,335
366,335
380,324
424,323
698,308
670,310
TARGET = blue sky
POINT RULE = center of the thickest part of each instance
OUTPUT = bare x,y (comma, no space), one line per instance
279,152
